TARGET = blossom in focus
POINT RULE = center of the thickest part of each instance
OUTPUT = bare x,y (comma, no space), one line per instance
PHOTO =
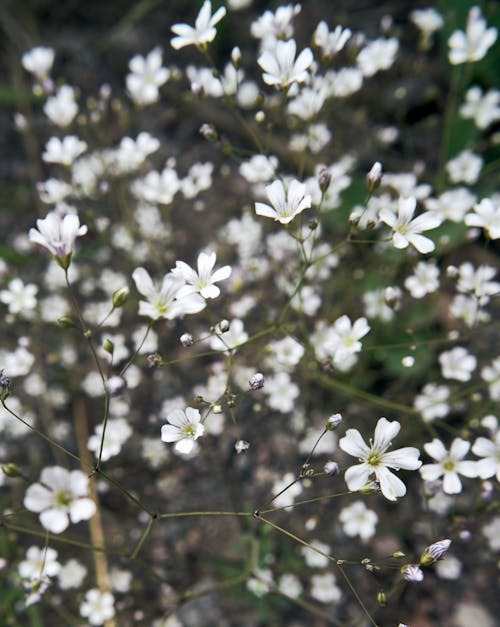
204,28
475,42
164,301
280,66
285,205
344,340
406,229
58,235
147,75
60,496
203,279
375,460
184,428
449,464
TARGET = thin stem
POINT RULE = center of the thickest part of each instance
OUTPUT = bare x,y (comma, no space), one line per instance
203,513
144,536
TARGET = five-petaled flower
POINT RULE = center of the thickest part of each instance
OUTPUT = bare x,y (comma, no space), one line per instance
58,235
449,464
202,281
284,205
184,428
375,459
280,66
406,229
60,496
204,28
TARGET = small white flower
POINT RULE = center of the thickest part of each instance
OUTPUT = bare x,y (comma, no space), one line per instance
457,364
432,401
484,109
202,281
147,75
58,235
486,216
280,66
63,151
330,42
284,205
98,607
358,520
165,301
117,433
38,61
475,42
377,55
424,280
406,230
204,28
344,340
61,109
489,450
449,464
185,427
60,496
491,374
39,563
375,459
465,167
20,298
324,588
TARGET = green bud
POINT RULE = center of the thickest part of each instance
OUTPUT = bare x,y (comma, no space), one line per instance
398,555
66,322
382,598
108,346
11,470
120,296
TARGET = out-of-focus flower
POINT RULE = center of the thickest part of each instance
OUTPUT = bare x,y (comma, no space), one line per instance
377,55
147,75
330,43
465,167
375,459
98,607
60,496
457,364
64,150
358,520
486,216
484,109
280,66
475,42
58,235
61,109
204,28
38,61
412,573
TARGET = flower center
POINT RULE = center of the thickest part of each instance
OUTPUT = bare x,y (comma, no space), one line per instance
64,498
449,465
374,458
189,431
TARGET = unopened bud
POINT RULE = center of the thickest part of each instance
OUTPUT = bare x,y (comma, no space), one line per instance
392,296
398,555
115,385
4,386
434,552
186,339
257,381
208,131
108,346
120,296
382,598
333,422
66,322
217,409
11,470
312,225
331,468
412,573
324,180
236,58
374,176
154,360
223,326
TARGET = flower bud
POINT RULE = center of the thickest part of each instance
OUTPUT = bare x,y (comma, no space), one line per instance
154,360
186,339
324,180
392,297
241,446
223,326
236,58
331,468
257,381
120,296
217,409
208,131
4,386
333,422
434,552
374,176
66,322
108,346
11,470
398,555
382,598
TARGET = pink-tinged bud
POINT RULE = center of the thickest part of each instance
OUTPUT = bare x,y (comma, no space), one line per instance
333,422
331,468
325,178
434,552
374,176
257,381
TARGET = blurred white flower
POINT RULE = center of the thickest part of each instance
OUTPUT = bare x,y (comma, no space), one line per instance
61,109
486,216
484,109
449,464
377,55
475,42
98,607
457,364
465,167
38,61
358,520
147,75
204,28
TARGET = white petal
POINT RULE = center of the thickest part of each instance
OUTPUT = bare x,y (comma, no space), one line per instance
357,476
353,444
54,520
391,486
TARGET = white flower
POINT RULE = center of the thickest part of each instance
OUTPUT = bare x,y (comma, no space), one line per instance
38,61
63,151
358,520
377,55
475,42
491,374
457,364
58,235
280,66
284,205
486,216
260,582
465,167
427,20
407,230
374,459
202,281
290,585
424,280
20,298
285,497
71,575
285,354
491,532
117,433
315,558
204,28
281,392
330,42
39,563
98,607
432,401
449,465
60,496
185,427
484,109
489,450
344,340
324,588
61,108
147,75
165,301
